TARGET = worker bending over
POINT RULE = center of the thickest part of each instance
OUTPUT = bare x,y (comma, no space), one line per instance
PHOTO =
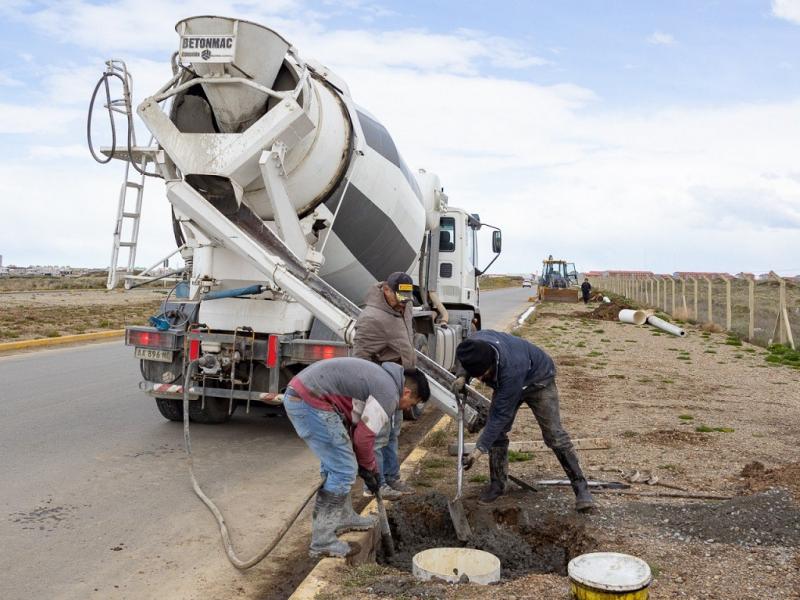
384,333
338,406
518,372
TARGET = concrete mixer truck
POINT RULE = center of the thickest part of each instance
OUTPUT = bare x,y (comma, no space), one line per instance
288,202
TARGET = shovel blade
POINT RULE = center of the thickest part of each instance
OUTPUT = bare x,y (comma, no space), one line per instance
459,518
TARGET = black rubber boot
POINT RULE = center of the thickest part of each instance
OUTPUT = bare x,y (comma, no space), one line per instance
327,516
569,462
498,475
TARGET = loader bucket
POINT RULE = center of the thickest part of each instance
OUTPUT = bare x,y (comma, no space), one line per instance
558,294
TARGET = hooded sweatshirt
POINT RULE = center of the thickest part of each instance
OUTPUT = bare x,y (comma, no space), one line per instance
382,333
365,396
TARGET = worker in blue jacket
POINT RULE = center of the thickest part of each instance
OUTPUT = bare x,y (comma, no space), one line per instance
518,372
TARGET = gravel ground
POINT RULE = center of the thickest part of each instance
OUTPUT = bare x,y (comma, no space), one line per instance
655,397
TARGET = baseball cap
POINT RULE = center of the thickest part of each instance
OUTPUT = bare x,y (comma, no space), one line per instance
401,284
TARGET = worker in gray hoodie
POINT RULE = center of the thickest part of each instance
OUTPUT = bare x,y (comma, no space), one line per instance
339,406
384,333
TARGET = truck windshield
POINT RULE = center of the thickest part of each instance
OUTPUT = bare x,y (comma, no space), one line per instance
447,234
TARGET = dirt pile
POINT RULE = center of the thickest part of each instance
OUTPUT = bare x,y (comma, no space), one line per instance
758,478
607,311
525,541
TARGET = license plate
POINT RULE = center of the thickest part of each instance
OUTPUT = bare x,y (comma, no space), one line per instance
157,355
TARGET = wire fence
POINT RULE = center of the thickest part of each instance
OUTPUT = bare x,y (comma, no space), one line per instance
762,311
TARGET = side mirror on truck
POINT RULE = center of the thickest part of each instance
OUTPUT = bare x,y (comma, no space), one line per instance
497,241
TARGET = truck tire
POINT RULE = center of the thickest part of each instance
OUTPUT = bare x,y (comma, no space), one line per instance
211,412
170,409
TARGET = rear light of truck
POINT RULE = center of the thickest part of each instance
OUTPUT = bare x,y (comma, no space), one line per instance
194,349
163,340
272,352
313,352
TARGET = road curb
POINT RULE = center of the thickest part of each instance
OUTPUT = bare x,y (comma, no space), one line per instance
328,568
58,341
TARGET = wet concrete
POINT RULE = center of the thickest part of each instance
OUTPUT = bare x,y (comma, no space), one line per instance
524,540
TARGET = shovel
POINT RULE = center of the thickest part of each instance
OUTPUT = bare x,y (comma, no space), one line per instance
386,533
456,508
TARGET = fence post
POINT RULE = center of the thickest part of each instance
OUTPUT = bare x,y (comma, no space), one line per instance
672,281
710,300
782,326
727,303
751,305
696,315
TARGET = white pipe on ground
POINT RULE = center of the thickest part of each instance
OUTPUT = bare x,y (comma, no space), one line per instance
635,317
664,326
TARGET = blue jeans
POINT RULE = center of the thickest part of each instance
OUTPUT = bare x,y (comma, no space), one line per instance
386,448
327,437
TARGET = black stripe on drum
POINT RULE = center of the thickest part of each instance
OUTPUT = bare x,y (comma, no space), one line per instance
370,235
378,139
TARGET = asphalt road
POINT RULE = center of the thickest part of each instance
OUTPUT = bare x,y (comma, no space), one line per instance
95,494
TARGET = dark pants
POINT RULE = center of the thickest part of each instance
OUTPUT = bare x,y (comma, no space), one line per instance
543,401
586,298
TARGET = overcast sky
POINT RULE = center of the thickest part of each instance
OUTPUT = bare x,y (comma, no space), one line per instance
644,135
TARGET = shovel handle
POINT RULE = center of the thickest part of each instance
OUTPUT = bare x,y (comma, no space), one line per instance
386,532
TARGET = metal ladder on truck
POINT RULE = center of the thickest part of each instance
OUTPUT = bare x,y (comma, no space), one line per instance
129,213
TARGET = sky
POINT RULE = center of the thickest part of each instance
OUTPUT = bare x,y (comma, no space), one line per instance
635,134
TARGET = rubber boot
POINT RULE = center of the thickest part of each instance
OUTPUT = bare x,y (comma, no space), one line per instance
350,520
498,475
325,519
569,462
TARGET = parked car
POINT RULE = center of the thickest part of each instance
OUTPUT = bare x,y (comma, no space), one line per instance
526,283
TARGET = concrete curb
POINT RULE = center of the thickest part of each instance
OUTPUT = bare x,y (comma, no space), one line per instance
328,568
58,341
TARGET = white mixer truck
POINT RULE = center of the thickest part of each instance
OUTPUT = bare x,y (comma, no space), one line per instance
288,202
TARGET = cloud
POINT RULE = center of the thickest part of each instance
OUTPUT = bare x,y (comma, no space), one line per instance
18,119
7,80
659,38
787,9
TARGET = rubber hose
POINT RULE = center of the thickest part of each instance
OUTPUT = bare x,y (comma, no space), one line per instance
223,529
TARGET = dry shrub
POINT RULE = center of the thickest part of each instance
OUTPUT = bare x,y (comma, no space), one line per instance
712,327
682,314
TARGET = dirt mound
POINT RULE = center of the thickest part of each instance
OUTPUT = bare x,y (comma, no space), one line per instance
757,477
607,311
673,438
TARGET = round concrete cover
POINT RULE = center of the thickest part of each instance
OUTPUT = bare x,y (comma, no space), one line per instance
610,571
452,563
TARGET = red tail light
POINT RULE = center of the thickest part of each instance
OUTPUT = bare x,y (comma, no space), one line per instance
194,348
272,352
150,339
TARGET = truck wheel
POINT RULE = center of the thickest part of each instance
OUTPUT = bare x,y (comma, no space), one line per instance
171,410
211,412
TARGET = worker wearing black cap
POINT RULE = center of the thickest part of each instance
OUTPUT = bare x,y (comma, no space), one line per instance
518,372
385,333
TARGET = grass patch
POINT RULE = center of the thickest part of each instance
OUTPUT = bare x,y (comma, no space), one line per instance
478,479
781,354
733,340
707,429
595,353
434,463
580,345
686,417
629,434
599,331
605,340
362,575
616,376
517,456
436,439
52,333
710,352
667,381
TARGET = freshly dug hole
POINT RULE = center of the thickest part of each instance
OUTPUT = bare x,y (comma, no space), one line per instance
525,541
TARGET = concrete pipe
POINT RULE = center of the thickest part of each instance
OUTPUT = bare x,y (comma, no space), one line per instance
664,326
635,317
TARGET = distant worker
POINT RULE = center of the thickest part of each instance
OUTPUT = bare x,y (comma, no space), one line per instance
384,333
586,289
518,372
338,406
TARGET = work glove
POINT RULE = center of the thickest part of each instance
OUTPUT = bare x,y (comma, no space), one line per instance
469,460
372,479
459,386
